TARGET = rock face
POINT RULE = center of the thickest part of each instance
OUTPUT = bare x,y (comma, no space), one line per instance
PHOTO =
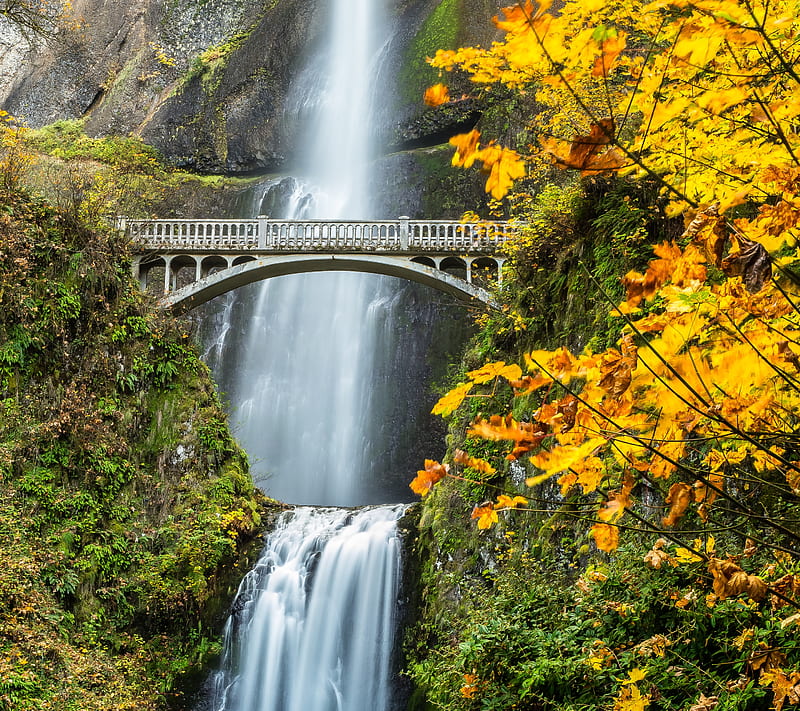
211,84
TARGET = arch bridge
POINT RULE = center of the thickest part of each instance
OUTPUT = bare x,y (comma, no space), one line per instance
189,262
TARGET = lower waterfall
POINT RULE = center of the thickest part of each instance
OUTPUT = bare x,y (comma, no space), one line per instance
313,623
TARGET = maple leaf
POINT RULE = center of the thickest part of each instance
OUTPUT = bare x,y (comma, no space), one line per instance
427,477
504,167
526,435
479,465
751,262
612,43
730,580
450,402
786,687
584,151
706,494
510,502
708,230
522,19
436,95
631,699
529,383
616,368
490,371
560,458
787,586
606,537
486,515
679,497
466,148
657,556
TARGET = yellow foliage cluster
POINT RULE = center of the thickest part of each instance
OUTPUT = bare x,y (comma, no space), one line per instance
14,157
700,398
702,95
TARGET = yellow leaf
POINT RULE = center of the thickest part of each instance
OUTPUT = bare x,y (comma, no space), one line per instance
504,167
631,699
509,502
490,371
450,402
564,457
486,515
634,676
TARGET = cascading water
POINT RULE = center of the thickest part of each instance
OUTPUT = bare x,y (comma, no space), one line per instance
313,623
301,382
324,646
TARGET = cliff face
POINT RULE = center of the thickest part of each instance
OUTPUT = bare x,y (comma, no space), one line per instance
211,85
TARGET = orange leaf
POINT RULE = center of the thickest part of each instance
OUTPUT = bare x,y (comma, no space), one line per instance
466,148
427,477
610,48
606,537
470,687
485,514
436,95
616,368
529,383
479,465
679,497
584,151
527,435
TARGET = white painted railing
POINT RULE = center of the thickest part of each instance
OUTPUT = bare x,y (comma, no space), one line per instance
265,235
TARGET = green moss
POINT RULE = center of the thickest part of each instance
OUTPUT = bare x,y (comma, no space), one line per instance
440,30
128,507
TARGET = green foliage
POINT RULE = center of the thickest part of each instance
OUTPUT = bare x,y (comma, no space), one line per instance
535,634
440,30
125,506
67,140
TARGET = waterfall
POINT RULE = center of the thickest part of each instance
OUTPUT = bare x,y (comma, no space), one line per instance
291,645
301,378
312,627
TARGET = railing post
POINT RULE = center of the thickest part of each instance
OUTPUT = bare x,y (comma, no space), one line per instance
404,232
262,231
121,223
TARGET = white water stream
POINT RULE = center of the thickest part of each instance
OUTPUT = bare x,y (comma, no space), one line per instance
313,624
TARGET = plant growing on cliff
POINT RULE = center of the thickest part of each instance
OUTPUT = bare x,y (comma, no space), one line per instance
124,502
36,17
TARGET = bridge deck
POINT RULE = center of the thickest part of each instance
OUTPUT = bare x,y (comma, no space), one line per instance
401,236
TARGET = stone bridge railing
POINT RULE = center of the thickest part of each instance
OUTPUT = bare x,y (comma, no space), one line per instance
266,235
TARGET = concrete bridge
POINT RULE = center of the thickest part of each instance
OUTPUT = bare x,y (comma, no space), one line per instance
189,262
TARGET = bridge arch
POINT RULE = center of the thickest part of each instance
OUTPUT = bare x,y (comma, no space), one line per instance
220,282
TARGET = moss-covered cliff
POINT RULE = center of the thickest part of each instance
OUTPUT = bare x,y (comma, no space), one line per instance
127,514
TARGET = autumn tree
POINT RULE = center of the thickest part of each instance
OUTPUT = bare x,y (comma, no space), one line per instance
699,400
34,17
